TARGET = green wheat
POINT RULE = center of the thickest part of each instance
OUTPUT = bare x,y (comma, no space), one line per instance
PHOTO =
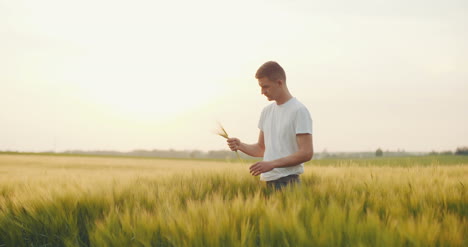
106,201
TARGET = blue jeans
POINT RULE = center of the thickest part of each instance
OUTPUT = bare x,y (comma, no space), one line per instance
280,183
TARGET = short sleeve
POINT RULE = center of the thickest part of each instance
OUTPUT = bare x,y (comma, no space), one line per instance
262,120
303,123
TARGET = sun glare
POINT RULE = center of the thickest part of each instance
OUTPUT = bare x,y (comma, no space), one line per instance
153,100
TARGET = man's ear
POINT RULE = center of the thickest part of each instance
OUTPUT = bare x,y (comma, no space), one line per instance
280,82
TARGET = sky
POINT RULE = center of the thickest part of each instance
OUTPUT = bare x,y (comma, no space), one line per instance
126,75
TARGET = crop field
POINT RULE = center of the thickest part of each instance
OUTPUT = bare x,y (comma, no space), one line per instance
64,200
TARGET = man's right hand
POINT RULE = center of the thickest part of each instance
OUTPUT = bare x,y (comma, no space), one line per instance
234,143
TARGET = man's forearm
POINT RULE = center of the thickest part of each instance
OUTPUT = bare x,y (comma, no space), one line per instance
293,160
252,149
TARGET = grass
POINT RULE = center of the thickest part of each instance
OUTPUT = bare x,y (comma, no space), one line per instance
95,201
410,161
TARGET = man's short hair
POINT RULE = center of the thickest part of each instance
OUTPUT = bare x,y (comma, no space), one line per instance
271,70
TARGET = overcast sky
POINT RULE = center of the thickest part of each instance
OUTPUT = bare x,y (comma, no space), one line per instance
124,75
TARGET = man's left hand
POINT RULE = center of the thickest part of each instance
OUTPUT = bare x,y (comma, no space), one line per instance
261,167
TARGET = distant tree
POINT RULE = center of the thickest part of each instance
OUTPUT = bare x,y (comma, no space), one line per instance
379,152
325,153
195,154
462,151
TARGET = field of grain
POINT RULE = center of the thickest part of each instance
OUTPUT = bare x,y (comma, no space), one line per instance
51,200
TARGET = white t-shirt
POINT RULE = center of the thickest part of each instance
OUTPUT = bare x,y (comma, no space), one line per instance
280,124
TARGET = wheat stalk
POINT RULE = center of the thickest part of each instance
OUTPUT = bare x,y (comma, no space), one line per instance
222,132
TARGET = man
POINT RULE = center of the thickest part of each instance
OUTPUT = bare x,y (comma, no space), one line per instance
285,139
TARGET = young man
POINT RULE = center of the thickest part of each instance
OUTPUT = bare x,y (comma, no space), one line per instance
285,140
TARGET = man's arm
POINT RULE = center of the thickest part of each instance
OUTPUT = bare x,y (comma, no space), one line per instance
255,150
304,154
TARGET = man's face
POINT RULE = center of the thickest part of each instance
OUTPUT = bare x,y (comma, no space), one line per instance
269,88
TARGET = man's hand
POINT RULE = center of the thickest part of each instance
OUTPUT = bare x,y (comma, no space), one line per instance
261,167
234,143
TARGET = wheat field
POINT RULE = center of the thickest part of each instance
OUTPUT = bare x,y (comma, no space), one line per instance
53,200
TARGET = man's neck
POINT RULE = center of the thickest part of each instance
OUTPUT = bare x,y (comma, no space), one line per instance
283,99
